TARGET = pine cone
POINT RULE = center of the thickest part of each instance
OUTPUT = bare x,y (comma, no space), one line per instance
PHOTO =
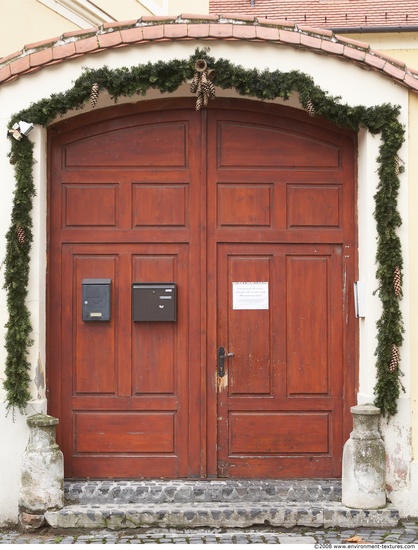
199,101
94,94
397,283
310,108
208,89
397,165
395,358
21,235
212,90
195,82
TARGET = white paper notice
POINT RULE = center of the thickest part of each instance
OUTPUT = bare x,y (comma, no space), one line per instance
250,295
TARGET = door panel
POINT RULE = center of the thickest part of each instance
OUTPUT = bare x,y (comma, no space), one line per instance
282,393
125,382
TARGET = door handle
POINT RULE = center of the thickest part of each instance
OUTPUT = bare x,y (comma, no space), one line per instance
222,355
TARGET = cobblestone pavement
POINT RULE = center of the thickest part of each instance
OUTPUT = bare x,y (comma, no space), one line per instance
406,535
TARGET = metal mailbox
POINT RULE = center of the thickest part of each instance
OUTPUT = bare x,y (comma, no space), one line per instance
96,299
154,301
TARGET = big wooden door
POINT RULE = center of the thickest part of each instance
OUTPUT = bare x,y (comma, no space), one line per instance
281,233
250,211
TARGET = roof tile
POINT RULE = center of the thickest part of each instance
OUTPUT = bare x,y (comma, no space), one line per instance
132,35
153,32
197,17
109,39
20,65
235,17
119,24
276,22
411,82
335,14
374,60
310,41
353,53
80,33
63,51
157,18
197,30
42,43
176,31
11,56
355,43
41,57
267,33
394,71
87,45
289,37
316,30
332,47
246,32
220,30
5,73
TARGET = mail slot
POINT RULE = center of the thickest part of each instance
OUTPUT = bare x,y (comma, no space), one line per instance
96,299
154,301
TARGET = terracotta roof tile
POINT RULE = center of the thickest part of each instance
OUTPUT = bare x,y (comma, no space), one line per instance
131,35
41,57
267,33
88,45
62,51
110,39
246,32
152,32
204,28
157,18
310,41
198,30
220,30
119,24
197,17
176,31
42,43
330,14
235,17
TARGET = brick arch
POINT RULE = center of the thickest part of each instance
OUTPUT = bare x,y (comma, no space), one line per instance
39,55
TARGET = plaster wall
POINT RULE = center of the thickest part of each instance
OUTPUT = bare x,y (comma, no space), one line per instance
17,18
334,76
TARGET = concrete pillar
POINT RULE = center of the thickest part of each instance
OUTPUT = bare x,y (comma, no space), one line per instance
42,476
363,479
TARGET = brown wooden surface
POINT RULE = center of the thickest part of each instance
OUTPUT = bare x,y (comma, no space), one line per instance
240,192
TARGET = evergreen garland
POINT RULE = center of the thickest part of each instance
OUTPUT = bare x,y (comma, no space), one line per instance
265,85
18,243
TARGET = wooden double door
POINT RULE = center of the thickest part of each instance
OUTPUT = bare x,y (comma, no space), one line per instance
249,210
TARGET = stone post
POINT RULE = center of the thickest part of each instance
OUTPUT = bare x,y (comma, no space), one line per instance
42,476
363,479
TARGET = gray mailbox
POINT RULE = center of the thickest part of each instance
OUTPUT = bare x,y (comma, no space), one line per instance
96,299
154,301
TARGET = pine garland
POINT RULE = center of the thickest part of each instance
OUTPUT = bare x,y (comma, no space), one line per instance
265,85
18,244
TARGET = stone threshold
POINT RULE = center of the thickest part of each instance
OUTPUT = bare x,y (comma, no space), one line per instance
215,504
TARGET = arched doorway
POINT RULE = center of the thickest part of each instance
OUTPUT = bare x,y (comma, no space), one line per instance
249,210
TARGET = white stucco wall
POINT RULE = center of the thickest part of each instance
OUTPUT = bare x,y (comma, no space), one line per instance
334,76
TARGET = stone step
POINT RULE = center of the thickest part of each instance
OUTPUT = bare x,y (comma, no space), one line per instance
187,491
218,514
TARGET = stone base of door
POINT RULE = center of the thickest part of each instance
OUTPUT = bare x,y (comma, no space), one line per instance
216,504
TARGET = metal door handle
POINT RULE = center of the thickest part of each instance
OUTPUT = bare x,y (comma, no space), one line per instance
222,355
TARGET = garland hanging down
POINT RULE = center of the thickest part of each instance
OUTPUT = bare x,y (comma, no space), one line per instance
265,85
